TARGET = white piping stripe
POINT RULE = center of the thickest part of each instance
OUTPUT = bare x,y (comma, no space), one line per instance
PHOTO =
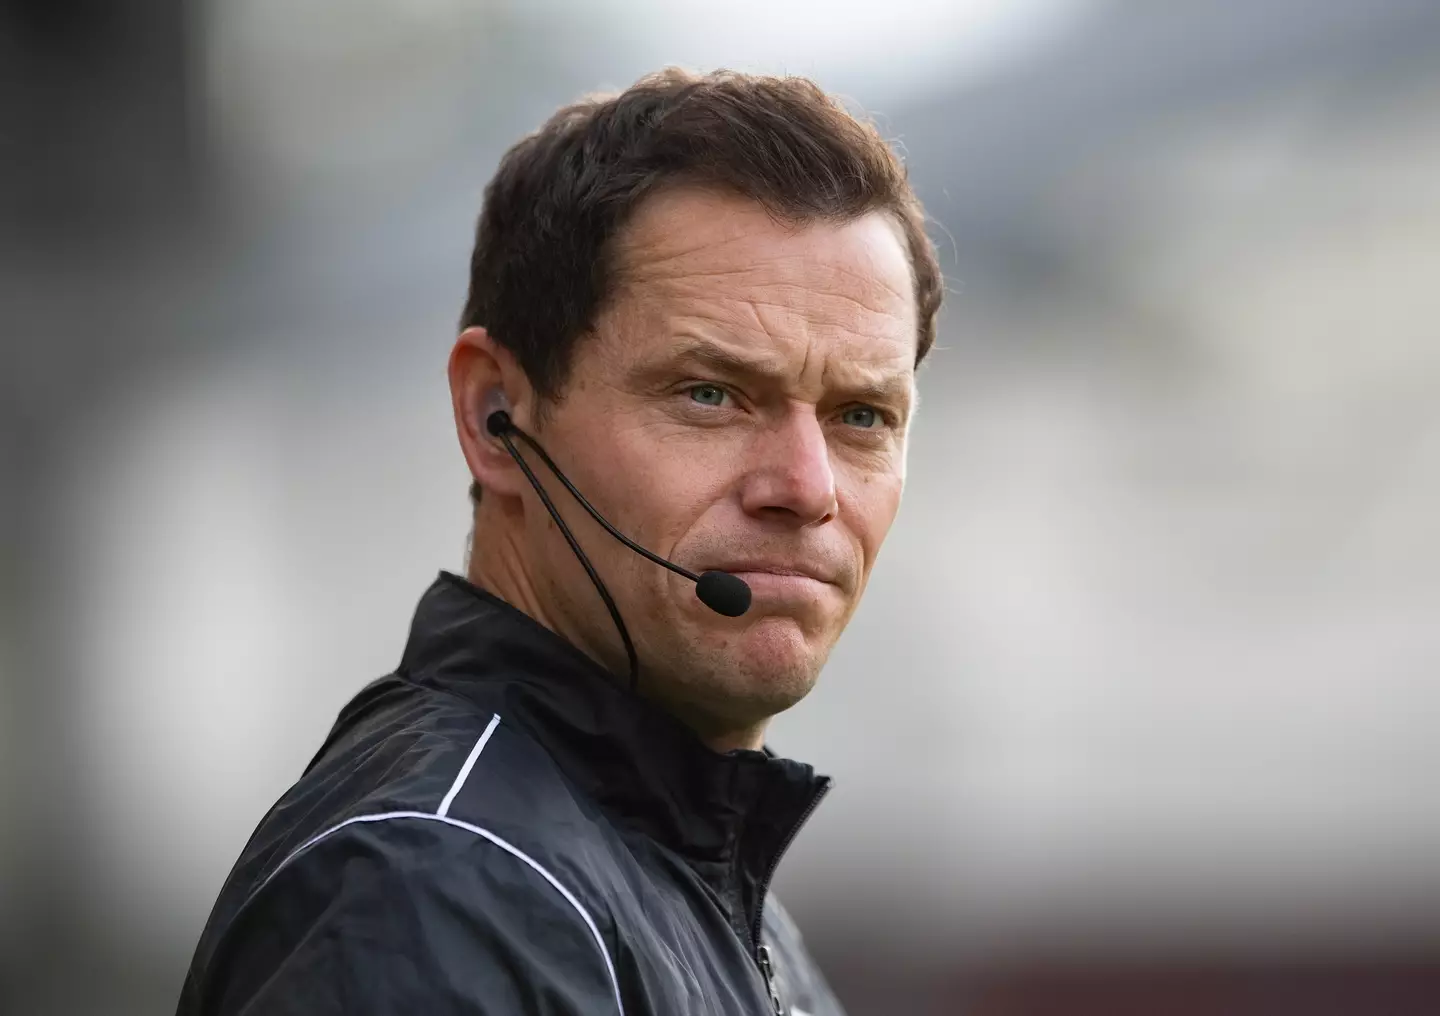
449,798
484,834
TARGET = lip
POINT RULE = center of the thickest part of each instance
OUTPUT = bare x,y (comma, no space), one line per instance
740,569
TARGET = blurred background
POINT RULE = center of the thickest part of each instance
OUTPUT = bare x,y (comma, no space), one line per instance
1142,711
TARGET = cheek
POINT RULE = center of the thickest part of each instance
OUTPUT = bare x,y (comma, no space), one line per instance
869,504
666,481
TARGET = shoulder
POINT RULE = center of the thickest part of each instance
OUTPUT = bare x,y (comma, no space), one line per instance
433,786
424,823
402,754
410,910
405,862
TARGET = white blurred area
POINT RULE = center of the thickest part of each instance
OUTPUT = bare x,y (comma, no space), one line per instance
1151,661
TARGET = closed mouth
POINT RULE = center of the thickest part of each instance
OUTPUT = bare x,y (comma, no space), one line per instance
766,568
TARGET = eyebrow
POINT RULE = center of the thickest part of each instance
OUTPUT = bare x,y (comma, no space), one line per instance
725,360
892,388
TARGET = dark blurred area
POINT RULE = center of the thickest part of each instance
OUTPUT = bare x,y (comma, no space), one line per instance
1142,709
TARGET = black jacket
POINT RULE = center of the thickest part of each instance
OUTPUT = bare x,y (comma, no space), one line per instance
500,827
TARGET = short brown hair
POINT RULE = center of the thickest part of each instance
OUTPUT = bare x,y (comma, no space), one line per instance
543,268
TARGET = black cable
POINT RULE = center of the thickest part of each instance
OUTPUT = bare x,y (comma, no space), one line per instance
504,432
597,516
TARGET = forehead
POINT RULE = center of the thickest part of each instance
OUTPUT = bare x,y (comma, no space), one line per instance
725,259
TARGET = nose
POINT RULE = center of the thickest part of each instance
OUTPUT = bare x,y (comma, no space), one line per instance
790,479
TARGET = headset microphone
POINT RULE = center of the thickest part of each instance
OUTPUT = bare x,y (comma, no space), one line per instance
720,591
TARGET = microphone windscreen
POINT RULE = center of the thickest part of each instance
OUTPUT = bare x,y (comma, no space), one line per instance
723,593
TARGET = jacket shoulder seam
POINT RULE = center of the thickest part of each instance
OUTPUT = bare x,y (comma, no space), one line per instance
454,791
485,834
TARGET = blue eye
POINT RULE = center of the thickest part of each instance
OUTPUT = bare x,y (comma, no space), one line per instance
708,395
860,416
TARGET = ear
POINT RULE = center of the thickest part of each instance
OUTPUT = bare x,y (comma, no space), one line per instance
479,368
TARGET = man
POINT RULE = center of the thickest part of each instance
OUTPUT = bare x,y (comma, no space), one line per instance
705,298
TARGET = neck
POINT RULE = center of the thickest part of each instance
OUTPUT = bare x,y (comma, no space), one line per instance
745,738
498,564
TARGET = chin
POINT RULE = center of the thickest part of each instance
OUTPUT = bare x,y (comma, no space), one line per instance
774,657
751,674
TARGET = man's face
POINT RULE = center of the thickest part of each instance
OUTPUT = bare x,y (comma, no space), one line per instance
743,405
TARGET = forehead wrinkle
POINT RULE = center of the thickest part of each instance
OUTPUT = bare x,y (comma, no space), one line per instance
684,229
698,263
667,255
636,252
804,305
666,260
790,313
782,329
791,300
830,311
765,332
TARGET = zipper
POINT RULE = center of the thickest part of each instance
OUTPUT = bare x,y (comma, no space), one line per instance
767,969
762,952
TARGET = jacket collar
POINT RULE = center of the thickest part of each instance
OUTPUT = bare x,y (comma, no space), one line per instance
642,765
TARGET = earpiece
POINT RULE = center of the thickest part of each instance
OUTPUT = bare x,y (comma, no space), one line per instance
495,411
